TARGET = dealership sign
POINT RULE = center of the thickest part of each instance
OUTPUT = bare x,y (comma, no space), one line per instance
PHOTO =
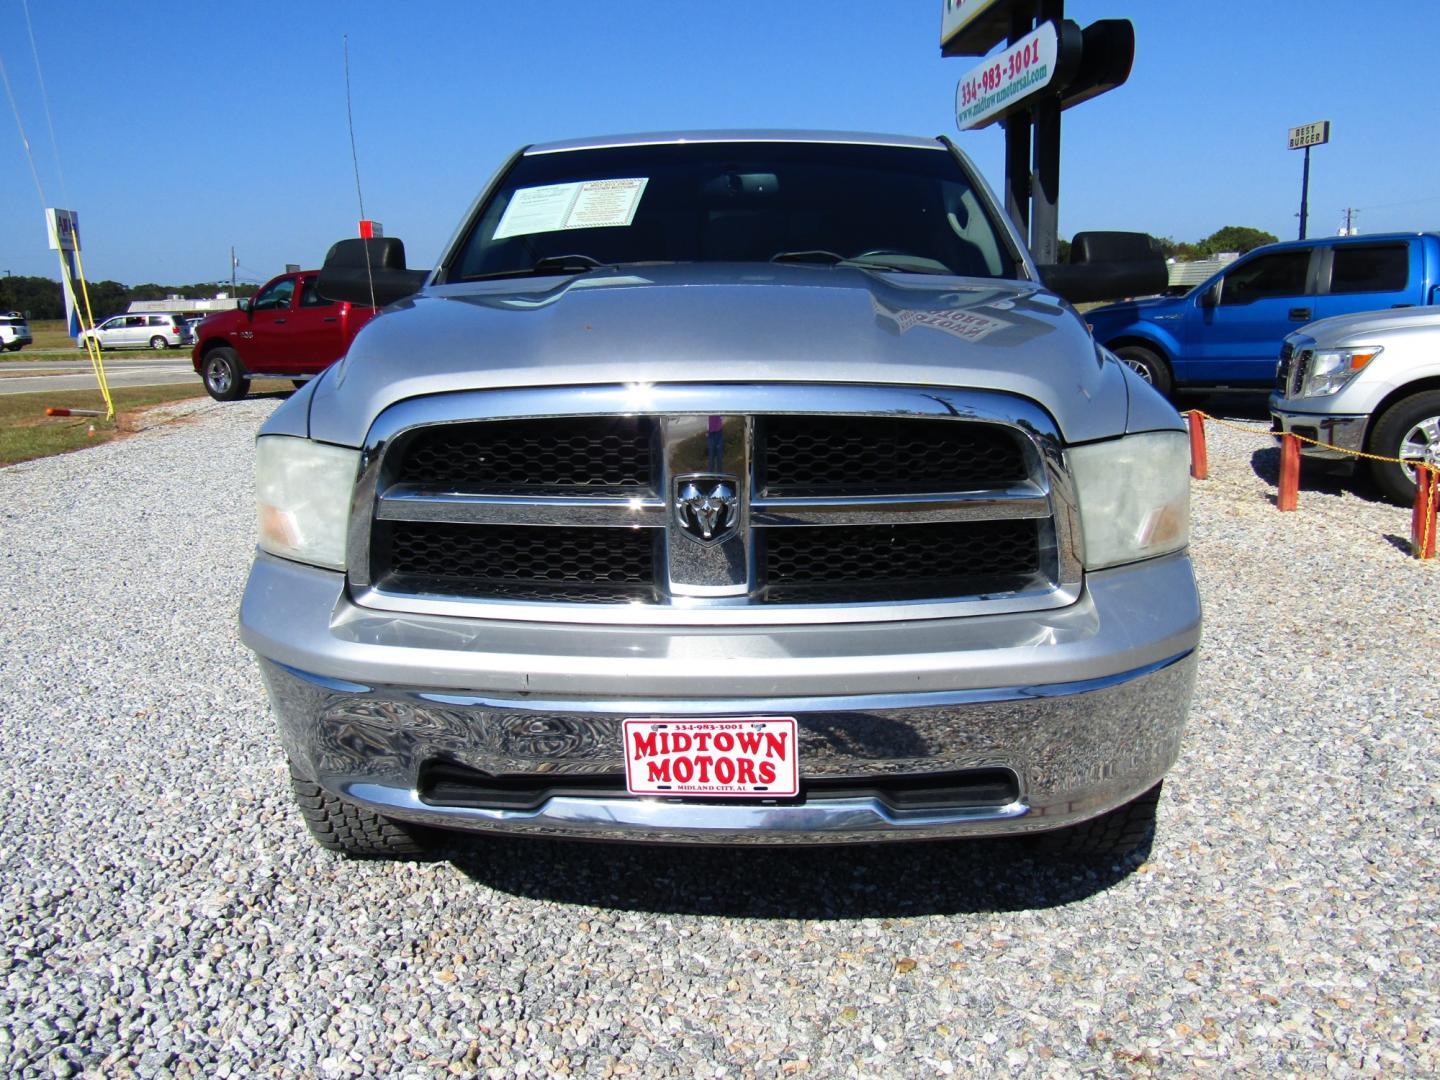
972,27
987,92
1306,135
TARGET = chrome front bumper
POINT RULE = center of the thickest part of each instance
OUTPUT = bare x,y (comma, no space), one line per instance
1344,431
1084,705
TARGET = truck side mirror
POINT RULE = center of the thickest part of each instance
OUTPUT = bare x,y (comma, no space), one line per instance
1211,297
1108,266
368,272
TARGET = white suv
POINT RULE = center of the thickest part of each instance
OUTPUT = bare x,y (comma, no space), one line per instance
139,332
14,331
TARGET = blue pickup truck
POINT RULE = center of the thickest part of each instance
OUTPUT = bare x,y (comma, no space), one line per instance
1227,331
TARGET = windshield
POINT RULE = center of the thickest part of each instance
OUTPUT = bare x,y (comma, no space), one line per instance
908,209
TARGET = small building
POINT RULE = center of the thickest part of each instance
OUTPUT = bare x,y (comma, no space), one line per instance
1184,276
181,305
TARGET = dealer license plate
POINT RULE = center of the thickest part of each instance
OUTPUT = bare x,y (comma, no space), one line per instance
727,757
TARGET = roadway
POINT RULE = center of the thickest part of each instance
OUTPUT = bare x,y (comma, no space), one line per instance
41,376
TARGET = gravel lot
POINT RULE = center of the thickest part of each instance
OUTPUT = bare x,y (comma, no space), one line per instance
163,913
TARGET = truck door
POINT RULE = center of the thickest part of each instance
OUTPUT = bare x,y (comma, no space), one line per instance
316,332
1239,327
268,349
1368,277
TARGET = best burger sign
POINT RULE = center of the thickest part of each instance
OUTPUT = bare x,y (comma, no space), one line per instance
723,757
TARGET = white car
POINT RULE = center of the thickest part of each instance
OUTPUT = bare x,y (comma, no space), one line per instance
1370,383
14,331
139,332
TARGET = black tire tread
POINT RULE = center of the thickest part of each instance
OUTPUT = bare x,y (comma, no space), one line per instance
1385,435
344,827
1160,375
239,384
1119,832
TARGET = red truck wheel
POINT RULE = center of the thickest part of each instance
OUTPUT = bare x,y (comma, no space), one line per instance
224,378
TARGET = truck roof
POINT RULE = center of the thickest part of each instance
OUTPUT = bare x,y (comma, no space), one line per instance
657,138
1365,238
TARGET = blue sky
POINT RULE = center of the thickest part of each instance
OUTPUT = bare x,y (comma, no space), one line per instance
184,128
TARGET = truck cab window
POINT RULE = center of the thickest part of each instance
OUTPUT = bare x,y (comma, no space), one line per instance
276,297
1280,274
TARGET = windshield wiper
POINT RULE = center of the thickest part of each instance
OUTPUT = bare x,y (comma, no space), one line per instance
896,261
817,255
549,264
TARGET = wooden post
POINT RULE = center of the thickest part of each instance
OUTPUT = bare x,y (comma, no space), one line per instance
1423,519
1199,459
1289,495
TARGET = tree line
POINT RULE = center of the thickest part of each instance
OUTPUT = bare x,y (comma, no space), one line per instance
42,298
1236,238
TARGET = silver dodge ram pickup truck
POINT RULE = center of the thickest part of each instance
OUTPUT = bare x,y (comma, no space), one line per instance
725,487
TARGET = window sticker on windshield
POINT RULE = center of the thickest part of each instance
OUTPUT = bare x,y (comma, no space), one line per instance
586,204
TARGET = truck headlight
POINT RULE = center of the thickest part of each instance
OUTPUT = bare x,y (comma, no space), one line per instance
1134,496
1331,369
303,489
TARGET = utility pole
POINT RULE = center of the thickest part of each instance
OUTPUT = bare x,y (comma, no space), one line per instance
232,269
1349,229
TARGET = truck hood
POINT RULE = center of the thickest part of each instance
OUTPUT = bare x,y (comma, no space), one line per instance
1114,316
1361,324
726,323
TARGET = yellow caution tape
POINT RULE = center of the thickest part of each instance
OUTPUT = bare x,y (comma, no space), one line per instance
87,323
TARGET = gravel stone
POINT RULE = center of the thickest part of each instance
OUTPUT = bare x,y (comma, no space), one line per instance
163,914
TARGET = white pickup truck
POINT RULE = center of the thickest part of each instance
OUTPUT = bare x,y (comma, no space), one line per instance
1370,383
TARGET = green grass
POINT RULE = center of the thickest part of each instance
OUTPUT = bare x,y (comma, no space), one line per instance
27,433
50,334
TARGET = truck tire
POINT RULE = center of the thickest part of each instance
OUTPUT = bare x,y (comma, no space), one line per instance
158,343
1119,832
349,829
1149,365
1409,428
224,378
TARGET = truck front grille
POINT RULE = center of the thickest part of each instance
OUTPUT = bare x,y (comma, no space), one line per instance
805,509
1292,371
819,564
818,455
520,455
577,565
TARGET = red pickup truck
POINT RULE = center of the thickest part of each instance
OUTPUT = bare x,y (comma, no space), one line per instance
286,330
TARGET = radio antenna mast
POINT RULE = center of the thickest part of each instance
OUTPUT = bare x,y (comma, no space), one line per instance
355,159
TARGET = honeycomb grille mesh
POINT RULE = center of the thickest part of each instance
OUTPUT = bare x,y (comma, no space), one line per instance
826,454
901,562
506,456
524,563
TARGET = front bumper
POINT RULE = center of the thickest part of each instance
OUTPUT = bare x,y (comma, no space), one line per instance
1338,431
1083,706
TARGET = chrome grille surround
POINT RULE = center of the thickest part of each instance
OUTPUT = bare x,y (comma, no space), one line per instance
1294,367
716,584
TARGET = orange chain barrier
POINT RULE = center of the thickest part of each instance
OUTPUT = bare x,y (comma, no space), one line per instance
1199,456
1423,517
1288,495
